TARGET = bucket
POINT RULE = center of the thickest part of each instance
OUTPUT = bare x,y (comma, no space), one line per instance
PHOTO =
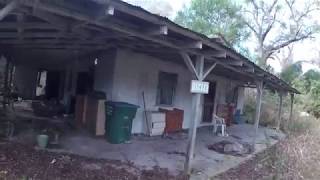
42,140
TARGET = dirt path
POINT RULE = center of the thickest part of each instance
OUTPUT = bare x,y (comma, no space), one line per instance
18,161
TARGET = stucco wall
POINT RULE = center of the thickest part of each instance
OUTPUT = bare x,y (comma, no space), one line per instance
104,72
136,73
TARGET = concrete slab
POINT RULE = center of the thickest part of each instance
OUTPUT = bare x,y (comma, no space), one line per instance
147,152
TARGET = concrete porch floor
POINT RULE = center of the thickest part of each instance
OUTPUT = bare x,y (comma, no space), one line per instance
147,152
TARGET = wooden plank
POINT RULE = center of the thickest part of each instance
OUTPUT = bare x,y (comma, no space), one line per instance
26,25
160,30
194,121
208,71
216,54
34,34
191,45
132,32
8,9
189,64
291,107
20,29
116,27
259,85
50,41
234,63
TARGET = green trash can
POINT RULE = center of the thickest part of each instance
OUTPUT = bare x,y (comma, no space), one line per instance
119,116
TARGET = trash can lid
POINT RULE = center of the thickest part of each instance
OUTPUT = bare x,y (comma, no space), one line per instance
122,104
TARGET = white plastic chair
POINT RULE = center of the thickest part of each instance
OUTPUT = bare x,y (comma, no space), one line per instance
219,122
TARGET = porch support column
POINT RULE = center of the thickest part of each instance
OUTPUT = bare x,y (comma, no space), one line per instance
291,107
279,110
197,114
259,84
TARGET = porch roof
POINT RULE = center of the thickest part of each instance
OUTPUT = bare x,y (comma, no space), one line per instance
93,25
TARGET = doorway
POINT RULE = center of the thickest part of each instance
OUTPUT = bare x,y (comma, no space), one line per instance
54,84
84,83
208,103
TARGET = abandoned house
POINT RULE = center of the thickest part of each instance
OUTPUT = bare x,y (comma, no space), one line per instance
67,50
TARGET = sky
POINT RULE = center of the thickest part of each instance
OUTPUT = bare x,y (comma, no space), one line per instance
305,50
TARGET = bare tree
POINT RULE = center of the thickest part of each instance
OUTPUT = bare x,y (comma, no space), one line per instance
279,23
284,56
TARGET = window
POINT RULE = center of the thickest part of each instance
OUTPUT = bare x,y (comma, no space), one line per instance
167,83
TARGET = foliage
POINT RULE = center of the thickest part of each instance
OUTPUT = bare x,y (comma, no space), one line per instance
291,72
309,85
213,18
298,156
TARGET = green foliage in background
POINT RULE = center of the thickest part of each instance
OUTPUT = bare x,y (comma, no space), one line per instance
215,18
309,85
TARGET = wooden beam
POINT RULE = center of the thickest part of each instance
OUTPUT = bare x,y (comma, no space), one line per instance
160,30
291,107
20,29
189,64
8,9
280,93
26,25
132,32
109,11
59,23
234,63
35,34
57,46
259,85
50,41
208,71
192,45
248,69
216,54
198,108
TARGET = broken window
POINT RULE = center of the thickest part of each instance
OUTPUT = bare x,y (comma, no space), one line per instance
167,83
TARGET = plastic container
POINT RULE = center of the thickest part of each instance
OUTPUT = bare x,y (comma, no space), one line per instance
119,116
42,141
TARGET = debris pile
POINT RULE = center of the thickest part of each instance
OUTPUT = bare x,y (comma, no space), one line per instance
232,148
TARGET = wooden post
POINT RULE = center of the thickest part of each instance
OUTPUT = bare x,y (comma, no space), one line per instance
258,110
279,111
291,107
196,118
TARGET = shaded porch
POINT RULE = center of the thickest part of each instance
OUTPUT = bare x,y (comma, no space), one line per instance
169,152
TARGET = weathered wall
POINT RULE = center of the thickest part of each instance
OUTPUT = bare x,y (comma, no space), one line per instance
136,73
104,72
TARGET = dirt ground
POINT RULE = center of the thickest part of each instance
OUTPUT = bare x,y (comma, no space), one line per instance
259,168
19,161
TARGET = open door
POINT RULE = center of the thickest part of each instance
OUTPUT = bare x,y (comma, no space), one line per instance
208,103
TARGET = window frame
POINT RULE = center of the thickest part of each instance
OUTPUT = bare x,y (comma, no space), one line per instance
174,82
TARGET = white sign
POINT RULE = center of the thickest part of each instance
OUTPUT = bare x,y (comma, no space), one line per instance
199,87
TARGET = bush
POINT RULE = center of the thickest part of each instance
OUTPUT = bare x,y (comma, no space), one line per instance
298,156
268,107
